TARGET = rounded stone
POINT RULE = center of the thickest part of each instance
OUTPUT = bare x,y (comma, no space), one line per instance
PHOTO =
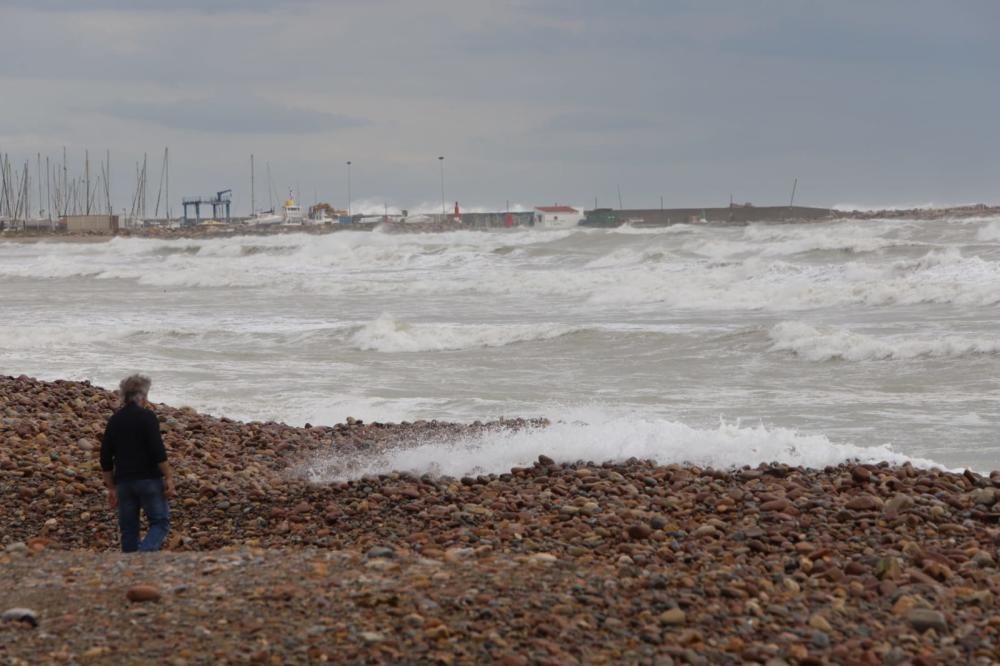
143,593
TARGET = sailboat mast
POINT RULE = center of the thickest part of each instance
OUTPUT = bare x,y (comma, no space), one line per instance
38,171
270,189
86,171
65,184
107,182
253,204
144,156
27,189
48,188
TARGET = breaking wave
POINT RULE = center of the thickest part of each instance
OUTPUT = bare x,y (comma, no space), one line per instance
604,438
761,267
828,343
386,334
990,232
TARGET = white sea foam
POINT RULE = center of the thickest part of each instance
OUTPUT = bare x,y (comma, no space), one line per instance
286,326
848,207
826,343
35,336
285,260
673,229
990,232
323,409
971,419
387,334
761,267
609,438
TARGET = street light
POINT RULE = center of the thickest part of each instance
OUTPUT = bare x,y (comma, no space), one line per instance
348,188
441,161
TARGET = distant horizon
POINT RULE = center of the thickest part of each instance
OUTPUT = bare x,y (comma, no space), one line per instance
367,206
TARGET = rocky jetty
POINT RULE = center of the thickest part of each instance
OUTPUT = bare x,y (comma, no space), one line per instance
950,212
556,562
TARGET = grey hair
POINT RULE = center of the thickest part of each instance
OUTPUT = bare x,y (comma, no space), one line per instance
134,388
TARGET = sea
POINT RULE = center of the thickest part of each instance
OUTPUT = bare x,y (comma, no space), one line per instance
807,344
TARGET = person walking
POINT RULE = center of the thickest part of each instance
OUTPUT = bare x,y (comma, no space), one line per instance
136,472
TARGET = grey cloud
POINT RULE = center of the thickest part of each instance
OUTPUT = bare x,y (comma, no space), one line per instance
686,98
205,6
596,121
233,115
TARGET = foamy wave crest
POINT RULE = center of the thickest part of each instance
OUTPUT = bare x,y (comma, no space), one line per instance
291,260
629,230
779,241
630,257
51,337
869,208
386,334
608,439
828,343
991,232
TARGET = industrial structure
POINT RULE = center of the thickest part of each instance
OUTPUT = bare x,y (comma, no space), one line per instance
222,200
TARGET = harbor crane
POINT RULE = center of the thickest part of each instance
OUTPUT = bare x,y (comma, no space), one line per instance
223,199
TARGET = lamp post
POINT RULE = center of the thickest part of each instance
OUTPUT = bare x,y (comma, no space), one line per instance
441,162
348,188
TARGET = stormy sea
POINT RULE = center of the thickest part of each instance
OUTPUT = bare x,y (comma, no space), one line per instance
808,344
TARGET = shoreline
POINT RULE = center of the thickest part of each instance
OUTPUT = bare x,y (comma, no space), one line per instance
555,562
237,230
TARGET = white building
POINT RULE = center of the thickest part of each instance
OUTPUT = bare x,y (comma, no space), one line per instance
557,217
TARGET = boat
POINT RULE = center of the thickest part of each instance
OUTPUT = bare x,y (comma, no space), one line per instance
291,212
265,217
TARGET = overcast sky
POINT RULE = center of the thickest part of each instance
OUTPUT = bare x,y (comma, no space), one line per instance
891,102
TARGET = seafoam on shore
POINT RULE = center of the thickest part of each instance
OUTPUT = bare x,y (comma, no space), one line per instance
873,334
559,558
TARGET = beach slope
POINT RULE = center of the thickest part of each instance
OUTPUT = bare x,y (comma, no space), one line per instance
553,562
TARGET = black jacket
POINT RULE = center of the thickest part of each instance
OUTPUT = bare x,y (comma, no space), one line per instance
132,445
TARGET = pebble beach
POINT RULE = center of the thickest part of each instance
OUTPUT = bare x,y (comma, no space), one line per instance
560,562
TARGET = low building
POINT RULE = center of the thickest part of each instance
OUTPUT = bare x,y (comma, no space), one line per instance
601,217
557,217
91,224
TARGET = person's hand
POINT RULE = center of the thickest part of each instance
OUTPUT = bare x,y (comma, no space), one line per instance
112,498
168,487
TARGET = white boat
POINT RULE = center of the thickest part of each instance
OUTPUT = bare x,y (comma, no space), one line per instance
291,212
265,217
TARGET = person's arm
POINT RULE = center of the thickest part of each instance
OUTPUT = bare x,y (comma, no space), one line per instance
160,456
108,466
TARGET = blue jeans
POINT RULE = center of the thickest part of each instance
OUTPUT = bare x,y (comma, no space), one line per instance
146,494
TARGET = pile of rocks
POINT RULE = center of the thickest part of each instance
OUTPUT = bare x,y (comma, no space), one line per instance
974,210
870,563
